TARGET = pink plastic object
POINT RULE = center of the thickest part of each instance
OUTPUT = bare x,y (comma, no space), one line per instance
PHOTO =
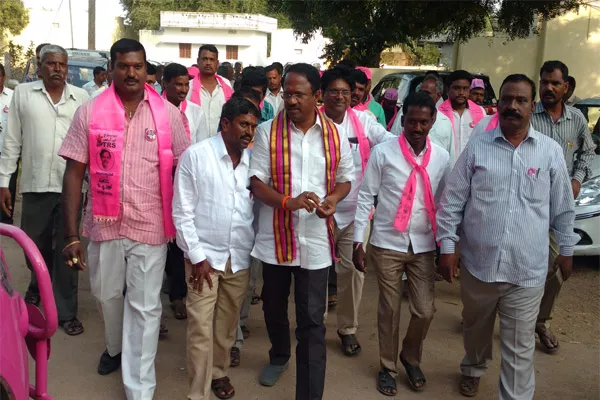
23,327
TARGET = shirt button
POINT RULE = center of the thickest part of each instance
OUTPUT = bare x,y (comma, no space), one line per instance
514,171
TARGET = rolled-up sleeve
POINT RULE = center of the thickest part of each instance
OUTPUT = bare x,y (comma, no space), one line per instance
562,205
185,199
345,171
260,162
454,199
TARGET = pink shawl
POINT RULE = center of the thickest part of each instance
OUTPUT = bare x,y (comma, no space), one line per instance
476,112
197,86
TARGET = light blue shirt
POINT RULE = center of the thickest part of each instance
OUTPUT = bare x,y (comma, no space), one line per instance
506,199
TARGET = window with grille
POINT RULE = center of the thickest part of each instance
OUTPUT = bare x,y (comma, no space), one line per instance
185,50
232,52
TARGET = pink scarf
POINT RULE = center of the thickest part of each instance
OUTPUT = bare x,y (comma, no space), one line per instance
363,143
476,112
391,123
182,108
107,126
408,195
227,91
363,106
493,124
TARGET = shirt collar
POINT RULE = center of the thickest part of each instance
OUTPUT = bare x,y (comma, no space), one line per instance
412,151
317,123
539,109
221,151
67,92
269,93
531,134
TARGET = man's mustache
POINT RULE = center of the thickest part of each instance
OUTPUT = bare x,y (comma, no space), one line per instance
508,114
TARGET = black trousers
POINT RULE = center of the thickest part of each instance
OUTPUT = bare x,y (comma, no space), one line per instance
175,270
310,288
332,280
12,188
42,221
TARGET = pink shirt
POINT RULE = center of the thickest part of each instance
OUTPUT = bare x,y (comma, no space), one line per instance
140,218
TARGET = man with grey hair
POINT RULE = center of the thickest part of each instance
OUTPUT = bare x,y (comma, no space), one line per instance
39,117
441,132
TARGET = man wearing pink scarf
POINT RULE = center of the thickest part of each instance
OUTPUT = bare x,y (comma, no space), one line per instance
128,218
406,175
361,96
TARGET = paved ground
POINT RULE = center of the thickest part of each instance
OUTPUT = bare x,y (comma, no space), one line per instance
570,374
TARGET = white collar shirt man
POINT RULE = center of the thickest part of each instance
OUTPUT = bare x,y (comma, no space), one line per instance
276,100
386,177
375,133
91,87
463,128
212,104
5,99
307,166
440,133
36,129
212,206
197,122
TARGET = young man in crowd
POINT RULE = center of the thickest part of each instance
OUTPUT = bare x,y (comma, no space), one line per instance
301,168
274,74
362,99
406,175
212,210
477,91
390,107
255,78
98,82
507,188
128,218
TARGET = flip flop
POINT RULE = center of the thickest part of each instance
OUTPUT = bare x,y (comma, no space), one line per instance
386,384
348,342
179,309
72,327
548,341
414,374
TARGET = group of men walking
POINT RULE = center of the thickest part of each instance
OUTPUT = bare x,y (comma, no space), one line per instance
329,175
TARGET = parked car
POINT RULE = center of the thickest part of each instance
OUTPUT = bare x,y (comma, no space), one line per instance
24,327
591,111
407,81
81,65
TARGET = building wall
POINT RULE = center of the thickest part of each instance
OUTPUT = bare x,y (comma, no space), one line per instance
573,38
287,48
163,45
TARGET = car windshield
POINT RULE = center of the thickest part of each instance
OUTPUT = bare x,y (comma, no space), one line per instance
80,71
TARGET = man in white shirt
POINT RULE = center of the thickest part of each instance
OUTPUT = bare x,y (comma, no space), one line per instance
212,210
98,82
38,120
301,168
406,175
176,86
463,113
209,90
5,99
362,129
441,131
274,92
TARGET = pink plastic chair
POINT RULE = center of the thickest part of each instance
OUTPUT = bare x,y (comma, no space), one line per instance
24,326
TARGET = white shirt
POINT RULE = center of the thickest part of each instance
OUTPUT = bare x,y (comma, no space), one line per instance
440,133
36,129
197,122
212,206
463,128
212,104
91,87
276,100
97,92
386,177
308,174
375,133
5,98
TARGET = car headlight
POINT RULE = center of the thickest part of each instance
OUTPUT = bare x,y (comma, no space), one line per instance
589,194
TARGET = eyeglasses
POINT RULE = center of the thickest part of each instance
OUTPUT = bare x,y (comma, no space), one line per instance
335,93
297,96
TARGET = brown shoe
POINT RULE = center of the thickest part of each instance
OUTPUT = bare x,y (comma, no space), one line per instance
469,385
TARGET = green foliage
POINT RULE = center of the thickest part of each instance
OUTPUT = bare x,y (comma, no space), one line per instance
363,29
19,57
145,14
14,17
421,54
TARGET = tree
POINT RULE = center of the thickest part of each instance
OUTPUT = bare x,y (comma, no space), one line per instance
14,17
18,58
363,29
145,14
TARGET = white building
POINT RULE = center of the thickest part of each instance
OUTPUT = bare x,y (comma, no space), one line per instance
286,47
238,37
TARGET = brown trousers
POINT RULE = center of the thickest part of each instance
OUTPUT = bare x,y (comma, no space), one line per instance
213,317
419,268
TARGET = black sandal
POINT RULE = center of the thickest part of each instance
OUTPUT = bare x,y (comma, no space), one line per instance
386,384
72,327
234,357
222,388
414,374
32,298
348,345
255,299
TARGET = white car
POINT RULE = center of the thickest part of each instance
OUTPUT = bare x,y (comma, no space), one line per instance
587,214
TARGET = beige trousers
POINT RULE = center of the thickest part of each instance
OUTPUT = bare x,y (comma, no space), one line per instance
213,317
517,308
419,268
554,281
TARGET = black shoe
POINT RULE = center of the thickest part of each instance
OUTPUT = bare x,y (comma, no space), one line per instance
32,298
109,364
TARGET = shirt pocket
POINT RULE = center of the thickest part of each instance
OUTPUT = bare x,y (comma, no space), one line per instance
536,188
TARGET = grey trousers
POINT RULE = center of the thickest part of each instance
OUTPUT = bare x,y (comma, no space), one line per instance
42,221
518,308
554,282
